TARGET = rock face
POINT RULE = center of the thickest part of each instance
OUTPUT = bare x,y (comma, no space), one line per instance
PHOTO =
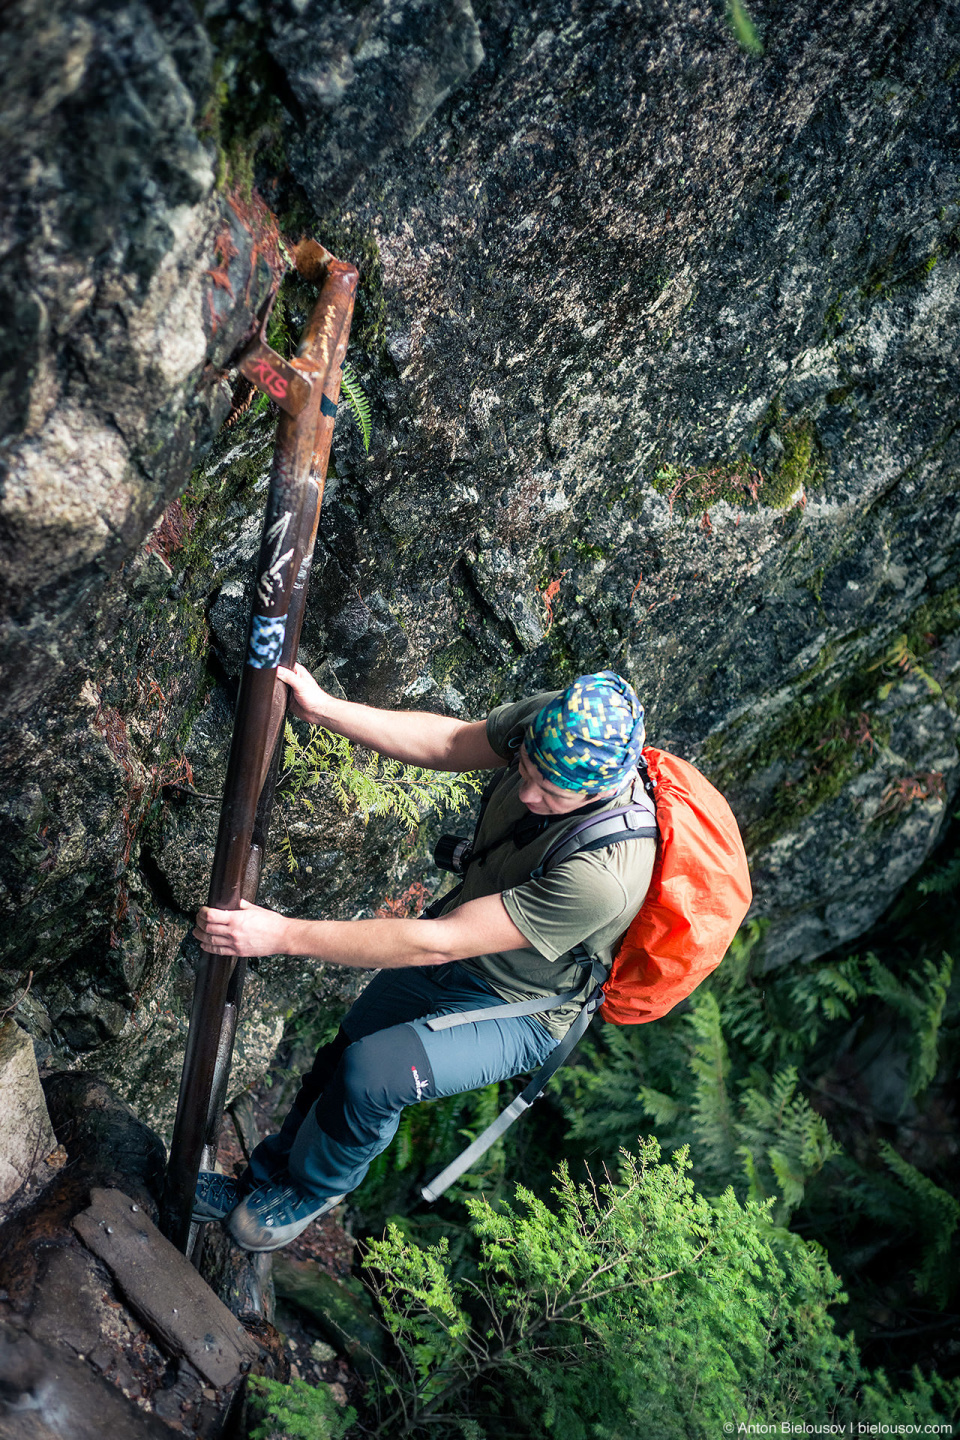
661,342
119,304
26,1135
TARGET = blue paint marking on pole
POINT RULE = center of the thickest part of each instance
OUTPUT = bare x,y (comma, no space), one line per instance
266,641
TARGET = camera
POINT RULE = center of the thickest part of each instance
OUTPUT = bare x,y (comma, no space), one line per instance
453,853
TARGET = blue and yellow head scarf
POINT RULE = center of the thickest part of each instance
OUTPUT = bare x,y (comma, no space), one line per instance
591,736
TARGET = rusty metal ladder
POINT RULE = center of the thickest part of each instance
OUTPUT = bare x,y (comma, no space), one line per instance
307,388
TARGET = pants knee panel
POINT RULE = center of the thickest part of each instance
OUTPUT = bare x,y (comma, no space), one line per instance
389,1069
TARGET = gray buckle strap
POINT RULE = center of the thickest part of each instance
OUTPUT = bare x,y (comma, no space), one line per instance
523,1101
480,1146
636,821
536,1006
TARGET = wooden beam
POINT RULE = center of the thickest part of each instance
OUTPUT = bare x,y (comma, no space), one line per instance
164,1289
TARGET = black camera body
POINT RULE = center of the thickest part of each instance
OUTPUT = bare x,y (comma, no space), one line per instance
453,853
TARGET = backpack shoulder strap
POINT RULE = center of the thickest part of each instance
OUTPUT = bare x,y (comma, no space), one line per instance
636,821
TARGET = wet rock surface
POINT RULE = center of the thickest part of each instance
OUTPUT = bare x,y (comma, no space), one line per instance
660,339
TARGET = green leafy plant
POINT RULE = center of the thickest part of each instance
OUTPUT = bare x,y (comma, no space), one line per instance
942,879
366,782
768,1134
297,1411
900,660
921,1004
784,1142
743,28
358,401
899,1196
636,1307
936,1216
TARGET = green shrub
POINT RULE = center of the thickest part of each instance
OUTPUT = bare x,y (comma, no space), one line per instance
297,1411
630,1308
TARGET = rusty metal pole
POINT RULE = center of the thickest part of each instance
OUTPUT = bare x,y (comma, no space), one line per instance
308,388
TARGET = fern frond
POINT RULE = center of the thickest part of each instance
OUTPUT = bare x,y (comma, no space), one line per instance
782,1135
710,1064
287,850
944,879
358,401
936,1216
921,1004
662,1109
367,783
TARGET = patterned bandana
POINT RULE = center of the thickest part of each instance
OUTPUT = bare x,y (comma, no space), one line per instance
591,736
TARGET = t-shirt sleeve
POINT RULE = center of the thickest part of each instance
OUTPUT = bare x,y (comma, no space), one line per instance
573,901
506,724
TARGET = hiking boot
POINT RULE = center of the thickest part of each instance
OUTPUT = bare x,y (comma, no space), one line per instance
273,1215
216,1195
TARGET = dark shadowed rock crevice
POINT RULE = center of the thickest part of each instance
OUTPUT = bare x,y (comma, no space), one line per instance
660,340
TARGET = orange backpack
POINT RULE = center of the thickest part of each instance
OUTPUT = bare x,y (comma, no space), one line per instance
698,897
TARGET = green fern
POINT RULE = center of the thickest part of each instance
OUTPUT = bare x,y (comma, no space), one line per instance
921,1004
820,995
371,785
716,1129
943,879
358,401
935,1216
785,1141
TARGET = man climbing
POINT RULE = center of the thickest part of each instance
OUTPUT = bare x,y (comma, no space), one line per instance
505,936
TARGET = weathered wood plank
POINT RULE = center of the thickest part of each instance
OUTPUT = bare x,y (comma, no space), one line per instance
163,1288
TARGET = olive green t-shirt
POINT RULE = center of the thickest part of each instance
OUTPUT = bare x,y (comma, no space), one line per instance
587,901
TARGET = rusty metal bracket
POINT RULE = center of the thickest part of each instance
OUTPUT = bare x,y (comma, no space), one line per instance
275,376
310,385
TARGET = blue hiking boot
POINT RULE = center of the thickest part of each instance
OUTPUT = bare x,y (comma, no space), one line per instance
216,1195
273,1215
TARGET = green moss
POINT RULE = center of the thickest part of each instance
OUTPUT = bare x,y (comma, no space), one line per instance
833,319
371,334
882,284
822,742
929,626
563,665
827,738
814,584
741,482
456,660
587,554
799,467
243,116
295,302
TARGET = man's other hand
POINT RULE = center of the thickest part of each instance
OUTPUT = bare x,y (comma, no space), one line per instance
307,701
251,930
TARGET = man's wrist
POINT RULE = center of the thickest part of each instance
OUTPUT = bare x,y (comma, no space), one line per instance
329,715
288,940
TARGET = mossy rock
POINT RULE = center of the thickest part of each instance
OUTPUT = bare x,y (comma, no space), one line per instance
343,1309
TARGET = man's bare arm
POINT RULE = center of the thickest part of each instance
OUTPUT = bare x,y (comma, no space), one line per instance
416,737
480,927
